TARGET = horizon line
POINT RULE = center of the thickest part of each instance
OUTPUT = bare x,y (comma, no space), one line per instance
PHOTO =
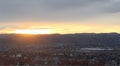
66,33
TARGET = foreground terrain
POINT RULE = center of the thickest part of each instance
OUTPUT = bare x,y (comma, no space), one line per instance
87,49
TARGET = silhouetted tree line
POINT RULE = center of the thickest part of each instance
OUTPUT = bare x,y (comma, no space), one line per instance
82,40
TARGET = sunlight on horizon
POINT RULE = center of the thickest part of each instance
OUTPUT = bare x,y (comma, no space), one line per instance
36,31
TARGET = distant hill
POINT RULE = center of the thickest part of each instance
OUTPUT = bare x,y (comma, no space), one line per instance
79,40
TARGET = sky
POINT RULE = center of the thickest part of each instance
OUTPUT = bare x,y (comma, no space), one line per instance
60,16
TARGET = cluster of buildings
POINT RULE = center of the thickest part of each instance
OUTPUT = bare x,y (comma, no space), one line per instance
60,56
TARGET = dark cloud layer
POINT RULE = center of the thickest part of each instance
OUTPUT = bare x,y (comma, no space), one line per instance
26,10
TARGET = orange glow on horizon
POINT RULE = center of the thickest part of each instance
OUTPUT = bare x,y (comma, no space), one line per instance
36,31
61,28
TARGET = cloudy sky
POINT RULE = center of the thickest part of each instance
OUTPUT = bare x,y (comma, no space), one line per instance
61,16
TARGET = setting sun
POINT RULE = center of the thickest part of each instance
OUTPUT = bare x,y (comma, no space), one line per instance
36,31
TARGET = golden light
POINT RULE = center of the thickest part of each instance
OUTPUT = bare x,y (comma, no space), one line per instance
33,31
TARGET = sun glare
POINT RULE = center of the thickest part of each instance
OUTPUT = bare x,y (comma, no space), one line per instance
37,31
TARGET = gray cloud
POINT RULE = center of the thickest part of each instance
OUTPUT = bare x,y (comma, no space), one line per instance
23,10
112,7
